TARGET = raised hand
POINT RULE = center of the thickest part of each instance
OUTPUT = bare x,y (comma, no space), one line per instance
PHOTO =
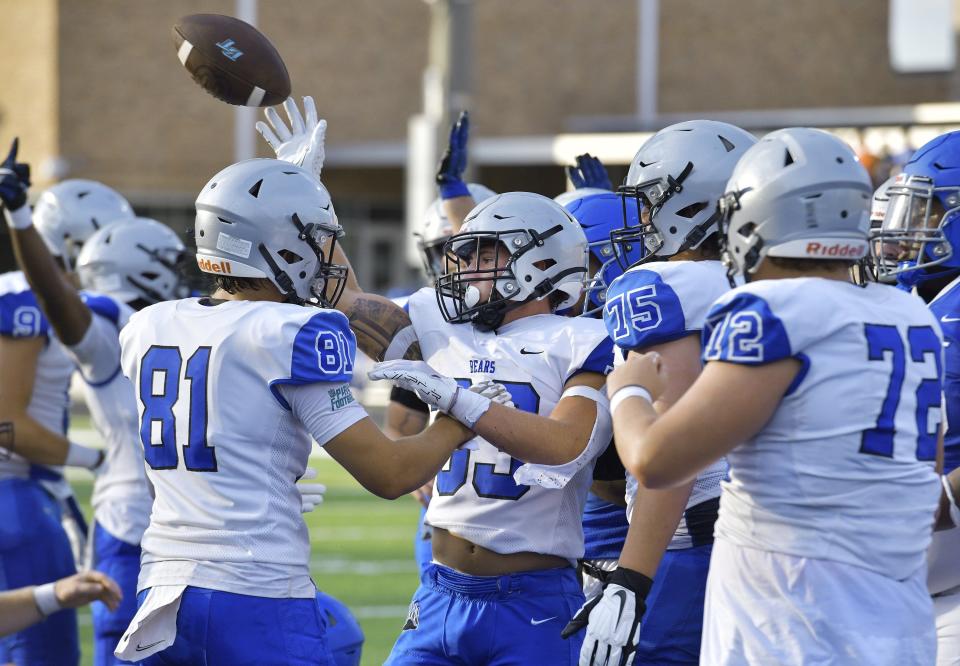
303,142
454,160
589,172
14,179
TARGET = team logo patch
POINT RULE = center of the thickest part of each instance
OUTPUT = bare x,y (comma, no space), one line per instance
340,397
413,617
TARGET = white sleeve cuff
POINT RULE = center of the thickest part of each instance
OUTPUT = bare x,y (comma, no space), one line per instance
45,597
20,218
325,409
558,476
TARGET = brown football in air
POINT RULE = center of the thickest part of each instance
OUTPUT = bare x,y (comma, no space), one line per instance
231,60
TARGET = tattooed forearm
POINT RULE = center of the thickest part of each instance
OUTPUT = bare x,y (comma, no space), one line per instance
375,321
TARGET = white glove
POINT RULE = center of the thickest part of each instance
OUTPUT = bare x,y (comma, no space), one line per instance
302,143
497,392
614,620
311,494
439,392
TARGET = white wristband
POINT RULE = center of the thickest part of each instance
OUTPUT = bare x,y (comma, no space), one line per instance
45,597
20,218
79,455
954,509
467,406
625,392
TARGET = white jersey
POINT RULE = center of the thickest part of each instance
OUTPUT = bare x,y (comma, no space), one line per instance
223,448
475,495
121,497
20,317
653,304
844,470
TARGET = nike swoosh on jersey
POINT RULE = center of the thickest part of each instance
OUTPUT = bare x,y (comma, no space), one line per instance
141,648
524,350
536,622
949,320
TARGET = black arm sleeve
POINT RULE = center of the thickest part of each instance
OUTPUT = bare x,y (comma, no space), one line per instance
609,467
410,400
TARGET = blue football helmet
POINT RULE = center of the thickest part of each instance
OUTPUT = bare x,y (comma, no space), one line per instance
599,212
920,235
344,636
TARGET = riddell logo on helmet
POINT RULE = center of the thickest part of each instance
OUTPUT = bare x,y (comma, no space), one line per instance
835,250
209,266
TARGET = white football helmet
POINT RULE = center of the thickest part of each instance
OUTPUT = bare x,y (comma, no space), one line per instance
133,260
265,218
545,251
68,213
676,178
437,229
799,193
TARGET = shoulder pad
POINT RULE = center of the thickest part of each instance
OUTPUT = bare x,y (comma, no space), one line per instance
323,349
21,317
743,328
104,306
642,310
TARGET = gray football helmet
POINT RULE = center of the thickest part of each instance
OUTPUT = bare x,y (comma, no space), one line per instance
799,193
437,229
265,218
133,260
545,251
676,179
68,213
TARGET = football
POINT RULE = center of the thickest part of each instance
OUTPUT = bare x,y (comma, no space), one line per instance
231,60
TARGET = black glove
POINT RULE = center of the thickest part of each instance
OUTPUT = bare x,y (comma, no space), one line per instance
612,619
14,180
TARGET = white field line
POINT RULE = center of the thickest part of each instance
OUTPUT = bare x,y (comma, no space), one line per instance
370,533
331,565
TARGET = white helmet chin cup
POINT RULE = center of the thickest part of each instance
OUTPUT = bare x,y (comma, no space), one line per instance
799,193
133,260
679,174
437,229
265,218
70,212
542,250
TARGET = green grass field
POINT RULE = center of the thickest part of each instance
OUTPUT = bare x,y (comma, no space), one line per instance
362,553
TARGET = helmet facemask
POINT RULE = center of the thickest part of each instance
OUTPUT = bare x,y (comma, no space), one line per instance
911,237
460,288
329,279
649,199
595,288
433,257
735,264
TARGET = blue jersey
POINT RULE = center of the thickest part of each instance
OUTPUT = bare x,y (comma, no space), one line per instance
604,529
654,304
946,307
